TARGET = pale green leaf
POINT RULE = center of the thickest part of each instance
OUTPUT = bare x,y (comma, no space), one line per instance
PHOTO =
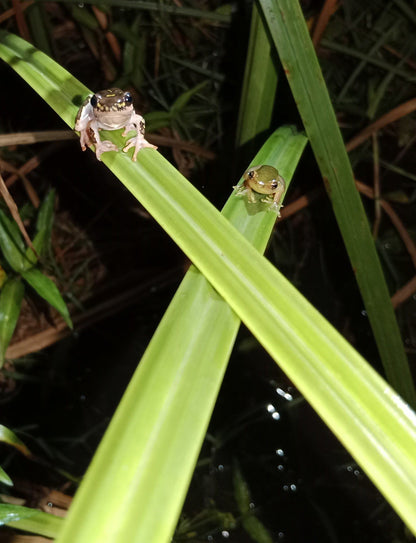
371,420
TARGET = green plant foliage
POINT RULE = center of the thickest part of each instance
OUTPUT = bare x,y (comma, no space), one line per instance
9,437
11,296
12,245
47,289
260,83
363,411
31,520
251,524
159,119
291,37
22,261
44,223
4,478
177,381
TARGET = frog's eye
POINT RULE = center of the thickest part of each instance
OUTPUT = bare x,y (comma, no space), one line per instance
274,184
251,174
93,101
128,98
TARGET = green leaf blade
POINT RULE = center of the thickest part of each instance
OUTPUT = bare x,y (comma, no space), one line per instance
44,223
11,296
9,437
11,243
372,421
291,37
259,86
31,520
175,386
47,289
4,478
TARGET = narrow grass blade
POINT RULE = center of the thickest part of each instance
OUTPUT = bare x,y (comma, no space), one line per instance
251,524
44,222
47,289
291,37
11,296
4,478
38,22
11,244
9,437
259,85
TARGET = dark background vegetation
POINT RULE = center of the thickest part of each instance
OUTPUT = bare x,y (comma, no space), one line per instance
304,485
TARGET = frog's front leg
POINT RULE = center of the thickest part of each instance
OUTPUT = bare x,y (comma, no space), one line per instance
277,196
100,146
242,189
90,135
138,142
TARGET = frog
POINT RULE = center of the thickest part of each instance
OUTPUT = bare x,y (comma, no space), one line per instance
110,109
263,179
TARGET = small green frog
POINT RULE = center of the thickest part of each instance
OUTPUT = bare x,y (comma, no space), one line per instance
264,180
110,109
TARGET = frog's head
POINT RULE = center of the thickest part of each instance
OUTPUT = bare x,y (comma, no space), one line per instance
263,179
111,101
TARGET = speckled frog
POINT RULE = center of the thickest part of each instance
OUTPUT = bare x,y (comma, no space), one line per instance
110,109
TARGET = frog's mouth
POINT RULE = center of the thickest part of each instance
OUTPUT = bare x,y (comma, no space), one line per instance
118,106
114,118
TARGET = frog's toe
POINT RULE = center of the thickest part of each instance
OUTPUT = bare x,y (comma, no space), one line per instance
240,190
274,206
137,143
104,147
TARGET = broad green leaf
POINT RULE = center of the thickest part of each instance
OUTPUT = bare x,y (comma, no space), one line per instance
11,296
9,437
47,289
11,243
160,425
31,520
291,37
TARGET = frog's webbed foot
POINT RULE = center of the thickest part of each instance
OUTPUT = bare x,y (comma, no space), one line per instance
85,138
241,190
138,142
103,147
273,205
